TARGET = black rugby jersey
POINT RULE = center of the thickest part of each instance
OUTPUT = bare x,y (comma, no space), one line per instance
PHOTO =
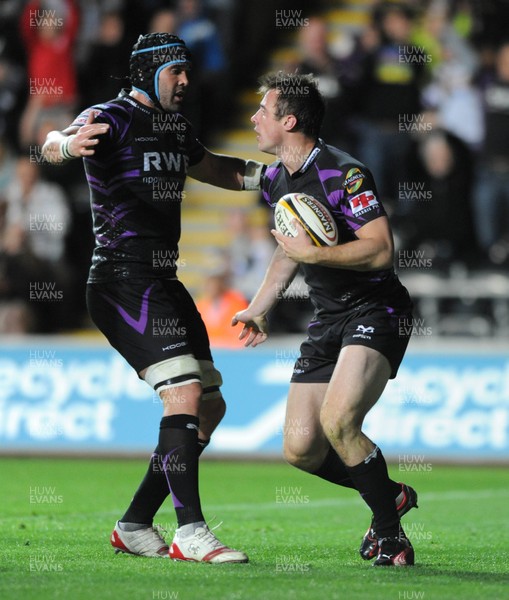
347,188
136,179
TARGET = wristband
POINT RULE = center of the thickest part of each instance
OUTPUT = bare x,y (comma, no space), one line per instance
64,148
253,174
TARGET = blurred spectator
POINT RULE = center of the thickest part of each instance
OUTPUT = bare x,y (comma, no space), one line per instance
387,97
250,250
163,20
90,15
364,44
491,194
454,104
209,97
222,12
217,306
200,34
107,67
438,219
37,214
440,36
49,29
318,59
33,246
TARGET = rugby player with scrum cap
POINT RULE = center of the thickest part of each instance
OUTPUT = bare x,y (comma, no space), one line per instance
137,151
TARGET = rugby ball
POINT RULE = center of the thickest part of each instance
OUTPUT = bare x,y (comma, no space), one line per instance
314,217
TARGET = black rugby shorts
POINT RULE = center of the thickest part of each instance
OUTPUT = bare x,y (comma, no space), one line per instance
375,328
148,320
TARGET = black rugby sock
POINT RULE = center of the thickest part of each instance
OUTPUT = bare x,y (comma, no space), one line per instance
152,492
333,469
372,480
178,445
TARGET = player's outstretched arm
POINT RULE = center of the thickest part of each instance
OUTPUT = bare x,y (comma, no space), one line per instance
279,275
73,142
228,172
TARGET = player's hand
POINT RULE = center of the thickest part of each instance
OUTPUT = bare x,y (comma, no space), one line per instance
84,141
299,248
256,327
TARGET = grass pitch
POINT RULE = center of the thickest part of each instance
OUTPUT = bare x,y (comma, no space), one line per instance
301,534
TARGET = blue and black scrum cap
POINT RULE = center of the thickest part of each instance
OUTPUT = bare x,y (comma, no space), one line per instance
152,53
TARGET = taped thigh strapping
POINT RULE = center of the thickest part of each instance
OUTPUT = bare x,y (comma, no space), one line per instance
173,372
182,370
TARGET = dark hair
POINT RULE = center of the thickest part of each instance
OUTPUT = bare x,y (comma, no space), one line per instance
298,95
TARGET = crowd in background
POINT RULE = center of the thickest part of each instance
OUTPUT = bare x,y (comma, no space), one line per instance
421,95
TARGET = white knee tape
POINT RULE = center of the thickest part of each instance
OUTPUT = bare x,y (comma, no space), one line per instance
211,380
173,372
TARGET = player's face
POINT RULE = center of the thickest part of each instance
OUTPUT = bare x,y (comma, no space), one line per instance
269,129
173,83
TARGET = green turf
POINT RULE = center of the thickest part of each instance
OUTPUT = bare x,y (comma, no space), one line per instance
301,535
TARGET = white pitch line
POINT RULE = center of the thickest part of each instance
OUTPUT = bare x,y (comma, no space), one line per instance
330,502
451,496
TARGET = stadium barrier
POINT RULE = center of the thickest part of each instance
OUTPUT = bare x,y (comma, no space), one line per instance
61,396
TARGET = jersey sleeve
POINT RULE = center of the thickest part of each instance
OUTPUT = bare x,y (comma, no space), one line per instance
266,182
360,202
100,116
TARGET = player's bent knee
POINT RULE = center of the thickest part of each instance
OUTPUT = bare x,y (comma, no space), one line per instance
301,460
211,380
291,457
173,372
213,409
211,414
